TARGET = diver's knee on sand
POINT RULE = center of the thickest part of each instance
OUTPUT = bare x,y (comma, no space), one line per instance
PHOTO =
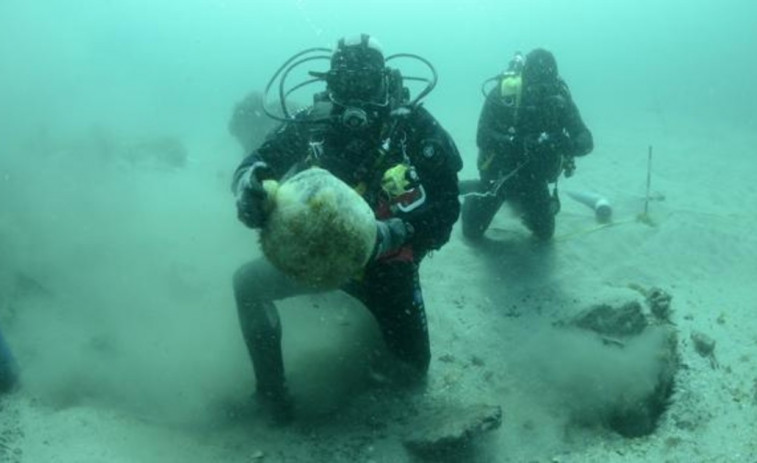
538,210
477,214
260,281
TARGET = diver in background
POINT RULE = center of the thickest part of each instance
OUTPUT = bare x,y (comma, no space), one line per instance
529,132
249,123
366,131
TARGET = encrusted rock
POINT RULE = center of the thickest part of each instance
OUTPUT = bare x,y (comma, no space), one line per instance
626,320
659,304
446,431
705,346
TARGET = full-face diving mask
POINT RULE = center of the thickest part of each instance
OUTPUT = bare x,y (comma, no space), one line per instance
357,81
357,85
360,95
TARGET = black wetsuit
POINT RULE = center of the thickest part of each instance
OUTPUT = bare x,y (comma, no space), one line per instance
390,286
525,146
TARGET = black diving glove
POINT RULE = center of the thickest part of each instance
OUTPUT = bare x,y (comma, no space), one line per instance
391,234
562,146
251,197
545,152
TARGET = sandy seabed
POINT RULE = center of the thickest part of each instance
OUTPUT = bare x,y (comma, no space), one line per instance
116,298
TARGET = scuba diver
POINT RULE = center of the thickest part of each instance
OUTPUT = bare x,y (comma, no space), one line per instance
529,133
367,131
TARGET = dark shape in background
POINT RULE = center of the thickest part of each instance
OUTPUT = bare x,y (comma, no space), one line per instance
8,368
249,123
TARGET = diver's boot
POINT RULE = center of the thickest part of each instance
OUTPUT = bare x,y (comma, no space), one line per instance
261,329
539,216
271,393
542,228
276,404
